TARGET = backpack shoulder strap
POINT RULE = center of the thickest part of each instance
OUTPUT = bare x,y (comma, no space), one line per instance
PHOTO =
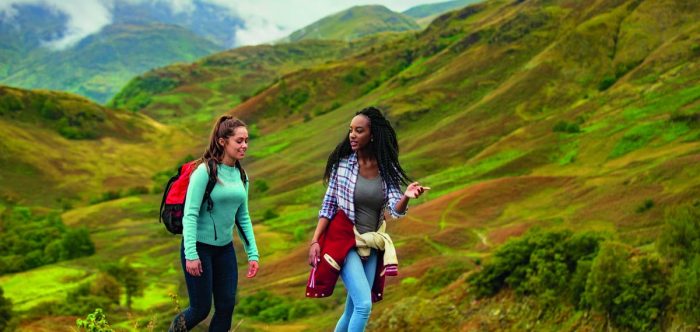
244,179
210,184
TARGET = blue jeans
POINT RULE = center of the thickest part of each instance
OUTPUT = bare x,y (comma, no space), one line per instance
358,277
220,279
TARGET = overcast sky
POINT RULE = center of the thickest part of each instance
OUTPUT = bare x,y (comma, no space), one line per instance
266,20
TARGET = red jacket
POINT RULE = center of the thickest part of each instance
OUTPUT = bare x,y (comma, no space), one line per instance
336,242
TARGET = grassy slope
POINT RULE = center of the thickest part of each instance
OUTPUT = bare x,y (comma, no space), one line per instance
356,22
433,9
193,94
40,166
113,59
475,121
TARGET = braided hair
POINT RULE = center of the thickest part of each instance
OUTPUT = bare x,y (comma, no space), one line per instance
384,147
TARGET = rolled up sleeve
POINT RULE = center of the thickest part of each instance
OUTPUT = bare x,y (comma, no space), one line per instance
330,202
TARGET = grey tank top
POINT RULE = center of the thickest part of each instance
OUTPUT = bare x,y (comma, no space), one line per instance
369,201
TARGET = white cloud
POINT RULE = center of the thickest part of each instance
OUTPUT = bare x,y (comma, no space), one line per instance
84,18
265,20
270,20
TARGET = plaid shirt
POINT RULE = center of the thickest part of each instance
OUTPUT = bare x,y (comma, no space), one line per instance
341,191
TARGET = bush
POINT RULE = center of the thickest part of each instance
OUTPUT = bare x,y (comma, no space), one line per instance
267,307
260,186
631,292
140,190
5,311
565,127
646,206
270,214
537,262
95,322
684,290
30,241
606,83
680,237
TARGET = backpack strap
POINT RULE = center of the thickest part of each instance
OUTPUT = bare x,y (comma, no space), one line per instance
244,180
210,185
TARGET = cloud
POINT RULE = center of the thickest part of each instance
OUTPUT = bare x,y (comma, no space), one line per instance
265,20
84,18
270,20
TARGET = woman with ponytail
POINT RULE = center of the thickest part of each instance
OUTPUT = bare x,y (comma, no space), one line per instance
364,178
207,253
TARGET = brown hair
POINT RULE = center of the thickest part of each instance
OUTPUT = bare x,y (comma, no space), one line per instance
224,127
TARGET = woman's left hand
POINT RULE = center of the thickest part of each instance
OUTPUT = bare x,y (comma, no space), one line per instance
414,190
252,269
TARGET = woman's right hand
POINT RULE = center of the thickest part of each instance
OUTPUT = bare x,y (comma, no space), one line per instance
194,267
314,253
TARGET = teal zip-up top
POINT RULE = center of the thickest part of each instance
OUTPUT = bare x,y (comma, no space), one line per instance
230,197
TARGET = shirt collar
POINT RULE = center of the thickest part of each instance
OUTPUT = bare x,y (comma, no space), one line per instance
352,159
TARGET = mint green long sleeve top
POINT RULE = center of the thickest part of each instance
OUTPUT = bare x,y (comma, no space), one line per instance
230,197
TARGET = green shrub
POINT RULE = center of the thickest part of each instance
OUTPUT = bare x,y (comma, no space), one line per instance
646,206
537,262
5,311
270,214
139,190
680,237
565,127
606,83
267,307
94,322
632,293
30,241
684,290
260,186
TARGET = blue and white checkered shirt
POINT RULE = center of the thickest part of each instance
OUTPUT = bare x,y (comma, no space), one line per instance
341,191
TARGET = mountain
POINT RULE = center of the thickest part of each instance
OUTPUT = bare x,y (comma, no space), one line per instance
205,19
140,37
192,94
101,64
521,115
434,9
354,23
62,149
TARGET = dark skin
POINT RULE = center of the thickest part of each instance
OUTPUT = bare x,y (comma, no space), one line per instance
360,135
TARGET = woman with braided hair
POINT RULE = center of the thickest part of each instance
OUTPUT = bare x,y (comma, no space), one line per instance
364,177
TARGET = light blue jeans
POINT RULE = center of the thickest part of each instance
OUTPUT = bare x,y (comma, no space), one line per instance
358,277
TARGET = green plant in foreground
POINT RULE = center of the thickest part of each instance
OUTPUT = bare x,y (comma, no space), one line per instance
95,322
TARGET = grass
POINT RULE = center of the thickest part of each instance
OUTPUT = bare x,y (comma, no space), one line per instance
44,284
475,124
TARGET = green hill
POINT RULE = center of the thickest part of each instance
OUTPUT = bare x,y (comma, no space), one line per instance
195,93
114,58
356,22
60,149
423,11
551,115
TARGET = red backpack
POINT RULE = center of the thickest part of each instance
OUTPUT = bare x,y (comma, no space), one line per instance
172,205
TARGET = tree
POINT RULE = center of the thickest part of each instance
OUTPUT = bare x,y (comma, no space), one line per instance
680,239
5,311
130,278
607,277
76,243
685,290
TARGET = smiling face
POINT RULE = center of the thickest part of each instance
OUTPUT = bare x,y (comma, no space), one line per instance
235,146
360,133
